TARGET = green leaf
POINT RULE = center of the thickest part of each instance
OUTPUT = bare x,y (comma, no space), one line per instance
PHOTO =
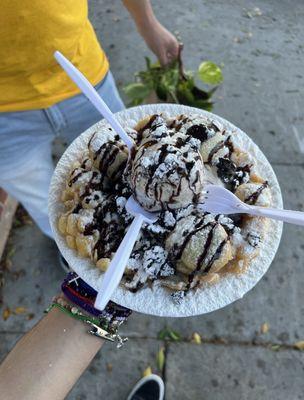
168,334
184,93
148,62
175,336
200,94
162,335
160,359
203,104
137,91
135,102
169,79
161,92
172,85
210,73
156,65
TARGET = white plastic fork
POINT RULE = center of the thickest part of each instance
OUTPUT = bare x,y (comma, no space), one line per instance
118,264
218,200
89,91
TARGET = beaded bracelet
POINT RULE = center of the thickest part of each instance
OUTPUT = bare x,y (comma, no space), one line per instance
99,327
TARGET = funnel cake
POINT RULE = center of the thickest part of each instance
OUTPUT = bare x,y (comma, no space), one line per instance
172,160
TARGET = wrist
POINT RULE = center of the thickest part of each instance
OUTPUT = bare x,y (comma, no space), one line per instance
72,327
77,301
83,295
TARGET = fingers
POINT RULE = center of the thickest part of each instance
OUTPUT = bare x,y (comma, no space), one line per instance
169,54
163,44
163,58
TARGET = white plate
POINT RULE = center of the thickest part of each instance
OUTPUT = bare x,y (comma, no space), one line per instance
157,301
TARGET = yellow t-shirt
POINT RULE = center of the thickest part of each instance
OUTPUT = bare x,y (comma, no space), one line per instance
30,32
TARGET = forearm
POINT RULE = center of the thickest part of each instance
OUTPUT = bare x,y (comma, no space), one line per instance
36,367
141,12
163,44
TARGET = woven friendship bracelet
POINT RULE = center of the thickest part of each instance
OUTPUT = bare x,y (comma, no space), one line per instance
80,293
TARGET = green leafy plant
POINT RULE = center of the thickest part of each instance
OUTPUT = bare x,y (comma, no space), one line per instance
175,85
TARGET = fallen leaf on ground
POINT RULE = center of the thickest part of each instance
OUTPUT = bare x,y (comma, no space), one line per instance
173,335
147,371
299,345
160,359
6,313
20,310
169,334
109,367
264,328
162,334
275,347
255,12
196,338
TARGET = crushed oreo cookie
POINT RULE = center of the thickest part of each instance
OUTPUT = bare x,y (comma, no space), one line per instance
232,175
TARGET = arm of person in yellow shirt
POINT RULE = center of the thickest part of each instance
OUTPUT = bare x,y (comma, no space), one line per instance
163,44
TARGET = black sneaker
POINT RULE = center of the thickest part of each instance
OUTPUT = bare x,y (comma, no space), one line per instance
150,387
63,263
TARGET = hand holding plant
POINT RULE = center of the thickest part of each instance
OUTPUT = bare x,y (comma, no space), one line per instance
175,85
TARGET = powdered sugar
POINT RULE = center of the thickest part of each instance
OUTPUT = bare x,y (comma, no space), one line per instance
169,219
156,229
167,172
156,301
121,202
101,137
154,259
85,217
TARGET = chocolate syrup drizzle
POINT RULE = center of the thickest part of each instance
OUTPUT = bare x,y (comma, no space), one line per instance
156,193
75,178
111,233
146,126
224,143
252,199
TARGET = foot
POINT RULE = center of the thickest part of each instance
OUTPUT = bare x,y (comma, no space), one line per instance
63,263
150,387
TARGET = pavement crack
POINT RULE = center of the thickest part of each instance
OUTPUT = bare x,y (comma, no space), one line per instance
166,346
274,346
287,164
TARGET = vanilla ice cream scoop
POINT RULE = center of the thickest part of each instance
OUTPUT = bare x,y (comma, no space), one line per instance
167,169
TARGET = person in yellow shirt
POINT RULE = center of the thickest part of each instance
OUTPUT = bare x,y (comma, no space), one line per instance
37,99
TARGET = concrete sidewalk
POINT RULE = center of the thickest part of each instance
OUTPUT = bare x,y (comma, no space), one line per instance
262,94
